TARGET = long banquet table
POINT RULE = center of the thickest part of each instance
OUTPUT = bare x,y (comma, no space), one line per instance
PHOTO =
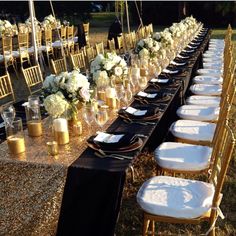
82,190
93,190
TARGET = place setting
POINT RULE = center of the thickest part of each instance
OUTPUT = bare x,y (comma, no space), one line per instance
113,144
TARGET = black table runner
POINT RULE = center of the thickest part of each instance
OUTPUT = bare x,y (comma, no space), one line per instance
94,186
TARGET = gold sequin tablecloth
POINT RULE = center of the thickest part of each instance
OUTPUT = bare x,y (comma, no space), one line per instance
32,184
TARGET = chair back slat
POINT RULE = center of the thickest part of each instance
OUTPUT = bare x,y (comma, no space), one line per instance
6,87
221,163
99,48
33,76
58,66
111,45
78,61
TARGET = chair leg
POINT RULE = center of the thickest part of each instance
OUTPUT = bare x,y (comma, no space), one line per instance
145,225
132,173
213,232
153,227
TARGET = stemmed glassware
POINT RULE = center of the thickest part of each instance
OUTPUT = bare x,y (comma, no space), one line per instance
101,116
120,92
88,115
8,114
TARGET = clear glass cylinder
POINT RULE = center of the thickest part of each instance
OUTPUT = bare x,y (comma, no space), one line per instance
33,117
15,136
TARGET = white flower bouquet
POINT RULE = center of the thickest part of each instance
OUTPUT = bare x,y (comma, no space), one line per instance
103,67
147,48
5,27
62,93
50,21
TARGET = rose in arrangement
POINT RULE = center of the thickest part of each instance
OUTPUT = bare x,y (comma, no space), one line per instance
103,67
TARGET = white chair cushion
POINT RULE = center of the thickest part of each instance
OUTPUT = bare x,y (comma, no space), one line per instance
182,156
193,130
206,89
207,79
216,57
211,72
214,66
216,52
212,60
175,197
198,112
203,100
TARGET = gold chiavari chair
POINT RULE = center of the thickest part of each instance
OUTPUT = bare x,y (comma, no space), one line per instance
99,48
33,78
134,39
60,44
23,43
70,39
204,198
86,32
111,45
78,61
47,47
6,90
120,42
89,54
8,57
128,42
58,66
183,158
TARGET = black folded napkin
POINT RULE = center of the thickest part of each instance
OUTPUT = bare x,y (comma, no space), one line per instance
126,140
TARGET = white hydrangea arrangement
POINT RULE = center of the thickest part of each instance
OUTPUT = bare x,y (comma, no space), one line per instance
62,93
147,48
103,67
164,38
5,27
36,23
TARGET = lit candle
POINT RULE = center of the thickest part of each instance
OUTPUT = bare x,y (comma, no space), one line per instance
34,128
16,145
61,131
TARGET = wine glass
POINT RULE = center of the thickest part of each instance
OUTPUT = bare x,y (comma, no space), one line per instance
8,114
128,95
142,82
101,116
120,92
88,115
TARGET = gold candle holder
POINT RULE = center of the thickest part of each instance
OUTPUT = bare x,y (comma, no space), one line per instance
61,132
111,102
34,128
61,137
52,148
16,144
102,95
77,128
